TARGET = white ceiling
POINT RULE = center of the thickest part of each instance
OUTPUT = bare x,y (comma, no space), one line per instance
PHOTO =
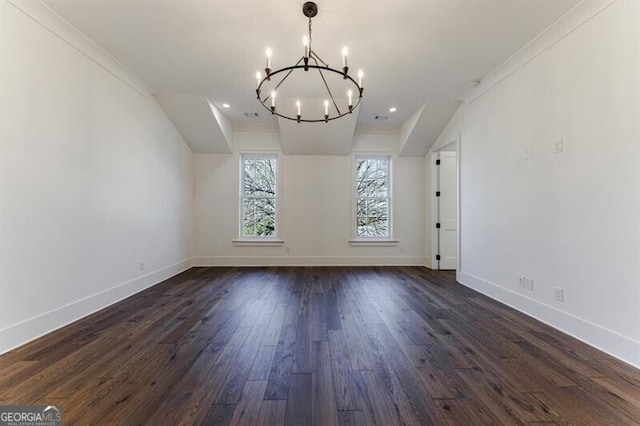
412,52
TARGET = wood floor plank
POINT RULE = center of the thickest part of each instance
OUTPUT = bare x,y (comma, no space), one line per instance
345,391
272,332
508,405
318,345
272,412
463,412
248,409
299,408
323,399
620,389
377,408
351,418
302,352
416,399
230,391
197,390
262,363
280,374
357,345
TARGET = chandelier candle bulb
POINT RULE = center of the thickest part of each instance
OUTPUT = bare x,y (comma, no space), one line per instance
268,68
326,111
269,53
259,78
305,58
273,102
298,107
305,43
345,52
350,97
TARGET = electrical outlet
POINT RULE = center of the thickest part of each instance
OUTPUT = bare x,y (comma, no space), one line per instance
528,283
557,146
520,281
558,294
141,267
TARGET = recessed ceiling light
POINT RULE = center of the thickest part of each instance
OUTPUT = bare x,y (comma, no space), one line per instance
392,109
226,106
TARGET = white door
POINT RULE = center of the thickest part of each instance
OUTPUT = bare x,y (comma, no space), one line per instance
447,210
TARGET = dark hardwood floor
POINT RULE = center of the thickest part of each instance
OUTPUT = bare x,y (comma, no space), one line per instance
322,346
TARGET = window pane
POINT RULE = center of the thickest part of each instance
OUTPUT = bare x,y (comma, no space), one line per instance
380,228
265,215
259,196
365,184
372,197
249,166
363,226
248,222
379,217
266,170
259,216
260,188
382,175
248,177
378,208
362,207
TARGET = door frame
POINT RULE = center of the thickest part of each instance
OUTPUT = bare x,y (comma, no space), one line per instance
434,154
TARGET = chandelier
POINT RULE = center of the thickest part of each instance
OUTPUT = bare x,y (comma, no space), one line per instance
309,61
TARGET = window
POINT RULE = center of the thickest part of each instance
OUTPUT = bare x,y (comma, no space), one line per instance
259,196
373,197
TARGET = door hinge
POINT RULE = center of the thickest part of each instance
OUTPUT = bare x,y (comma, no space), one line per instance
437,193
437,162
438,225
437,257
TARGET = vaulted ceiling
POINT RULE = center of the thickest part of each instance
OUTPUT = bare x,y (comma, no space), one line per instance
418,56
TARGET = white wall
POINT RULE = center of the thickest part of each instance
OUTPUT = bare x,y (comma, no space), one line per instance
315,208
566,219
94,180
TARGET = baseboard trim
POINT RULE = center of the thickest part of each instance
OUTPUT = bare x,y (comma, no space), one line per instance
309,261
30,329
622,347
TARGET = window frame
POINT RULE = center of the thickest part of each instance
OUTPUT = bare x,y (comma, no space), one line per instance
373,240
259,240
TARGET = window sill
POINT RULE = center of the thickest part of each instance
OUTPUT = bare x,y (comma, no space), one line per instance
373,242
267,242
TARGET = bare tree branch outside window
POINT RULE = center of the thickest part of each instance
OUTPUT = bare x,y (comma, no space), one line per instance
259,196
373,198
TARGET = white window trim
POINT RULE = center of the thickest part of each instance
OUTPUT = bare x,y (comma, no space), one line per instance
264,242
355,240
274,240
373,241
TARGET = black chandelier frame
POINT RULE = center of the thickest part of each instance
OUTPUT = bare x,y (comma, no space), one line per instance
310,10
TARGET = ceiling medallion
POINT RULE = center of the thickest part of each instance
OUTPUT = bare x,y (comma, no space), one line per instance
309,61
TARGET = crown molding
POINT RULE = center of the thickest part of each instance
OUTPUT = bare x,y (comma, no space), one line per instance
562,27
53,22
